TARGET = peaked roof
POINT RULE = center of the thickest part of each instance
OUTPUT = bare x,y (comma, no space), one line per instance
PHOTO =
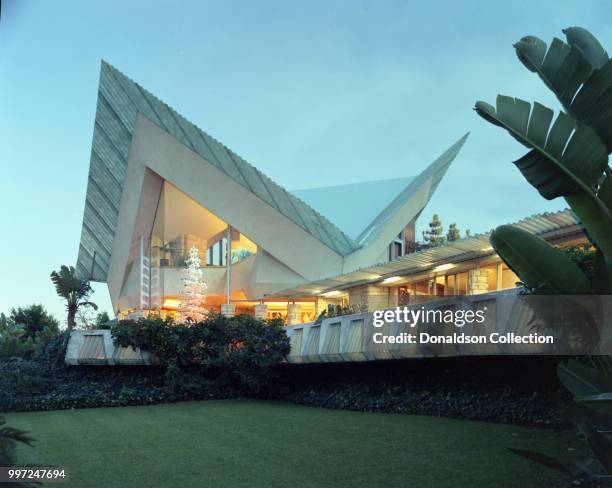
367,200
431,176
119,100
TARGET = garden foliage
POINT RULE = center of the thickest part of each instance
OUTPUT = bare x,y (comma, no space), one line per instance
241,350
568,157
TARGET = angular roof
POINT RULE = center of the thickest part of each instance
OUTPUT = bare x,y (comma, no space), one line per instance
119,100
367,201
429,178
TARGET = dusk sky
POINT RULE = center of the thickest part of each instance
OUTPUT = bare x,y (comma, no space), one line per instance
312,93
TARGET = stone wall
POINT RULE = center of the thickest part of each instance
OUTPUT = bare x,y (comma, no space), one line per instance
478,282
367,298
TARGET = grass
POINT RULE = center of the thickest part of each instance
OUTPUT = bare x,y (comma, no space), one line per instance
241,443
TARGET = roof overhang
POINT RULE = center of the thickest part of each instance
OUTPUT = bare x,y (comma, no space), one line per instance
553,227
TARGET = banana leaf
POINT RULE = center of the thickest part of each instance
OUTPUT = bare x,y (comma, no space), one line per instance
561,67
599,399
599,443
602,403
579,74
593,103
537,263
588,44
582,380
588,211
567,159
602,273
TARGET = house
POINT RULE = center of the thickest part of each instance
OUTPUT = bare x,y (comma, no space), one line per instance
159,186
324,260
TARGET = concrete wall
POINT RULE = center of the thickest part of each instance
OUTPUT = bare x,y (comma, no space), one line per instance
351,337
114,355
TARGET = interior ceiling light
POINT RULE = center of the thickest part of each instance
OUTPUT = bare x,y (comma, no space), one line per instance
444,267
392,279
333,293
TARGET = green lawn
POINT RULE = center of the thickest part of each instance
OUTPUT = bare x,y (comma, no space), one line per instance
253,443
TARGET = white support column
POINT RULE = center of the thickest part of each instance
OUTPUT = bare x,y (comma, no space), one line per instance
261,311
228,309
145,284
228,265
292,314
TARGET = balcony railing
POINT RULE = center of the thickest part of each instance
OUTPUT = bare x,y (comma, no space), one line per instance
177,258
352,337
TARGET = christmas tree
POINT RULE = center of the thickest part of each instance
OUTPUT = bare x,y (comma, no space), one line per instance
192,305
434,236
453,233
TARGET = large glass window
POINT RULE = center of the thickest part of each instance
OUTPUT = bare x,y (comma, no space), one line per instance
491,270
440,286
451,288
462,283
180,225
509,279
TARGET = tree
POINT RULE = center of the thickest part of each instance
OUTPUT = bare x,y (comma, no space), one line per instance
453,233
76,291
434,236
12,341
26,331
102,319
10,438
567,158
468,233
33,319
193,304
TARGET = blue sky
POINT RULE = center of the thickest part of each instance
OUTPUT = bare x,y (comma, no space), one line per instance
313,93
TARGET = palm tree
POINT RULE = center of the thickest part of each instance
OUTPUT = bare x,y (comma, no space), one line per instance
9,438
74,290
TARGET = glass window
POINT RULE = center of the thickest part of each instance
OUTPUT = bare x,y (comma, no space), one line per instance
421,288
462,281
180,224
509,279
451,285
439,286
491,270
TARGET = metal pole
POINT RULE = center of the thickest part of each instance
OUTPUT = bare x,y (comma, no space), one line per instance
228,281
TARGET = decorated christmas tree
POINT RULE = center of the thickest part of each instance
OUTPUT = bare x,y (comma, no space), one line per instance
192,305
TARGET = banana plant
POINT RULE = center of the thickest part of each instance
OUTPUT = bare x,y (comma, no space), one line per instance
567,158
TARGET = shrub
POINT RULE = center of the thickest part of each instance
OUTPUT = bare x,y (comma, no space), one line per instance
240,351
26,332
34,319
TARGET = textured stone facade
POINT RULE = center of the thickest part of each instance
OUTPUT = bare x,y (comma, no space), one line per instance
367,298
478,282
